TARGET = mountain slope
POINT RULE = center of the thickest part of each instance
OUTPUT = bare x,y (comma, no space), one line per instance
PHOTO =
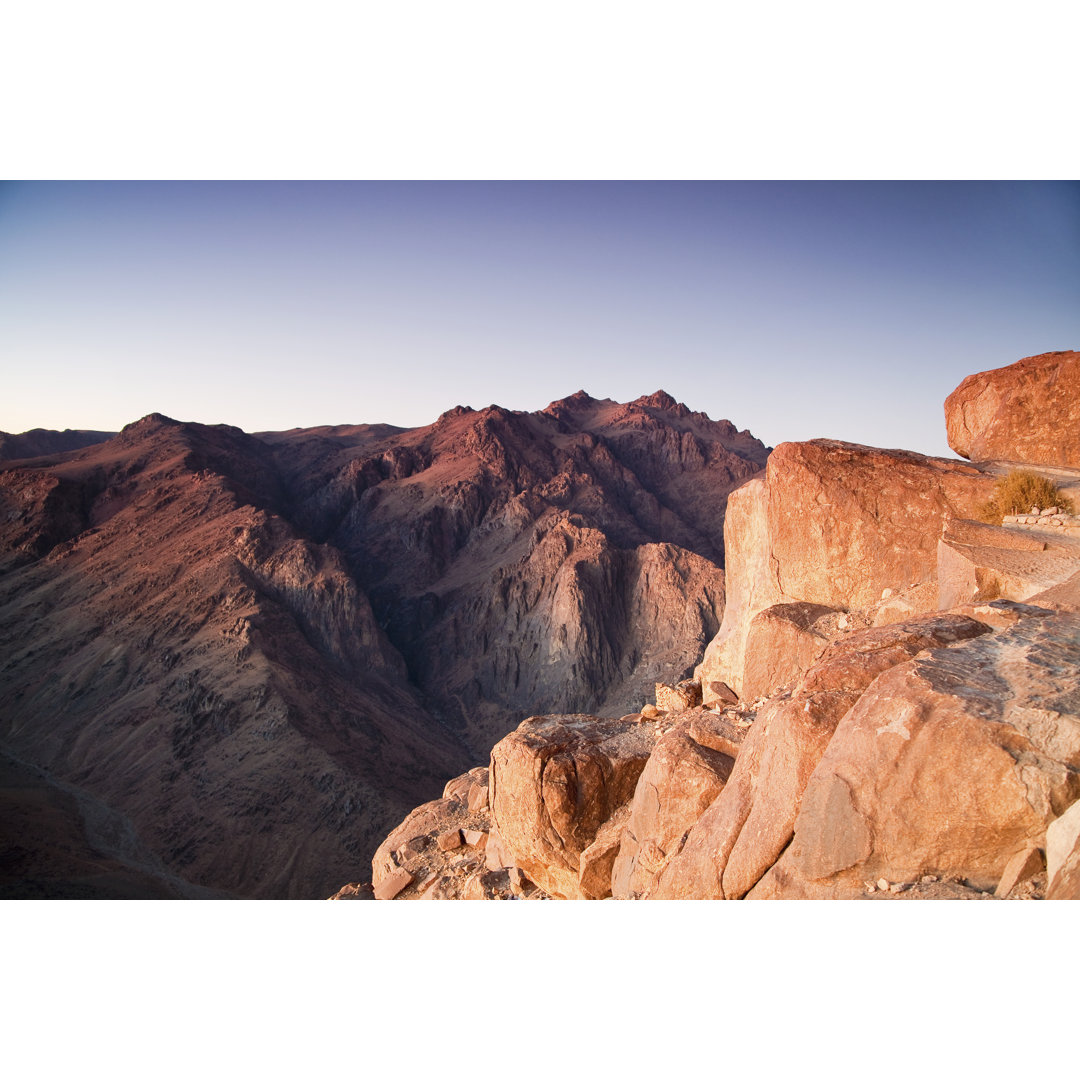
260,651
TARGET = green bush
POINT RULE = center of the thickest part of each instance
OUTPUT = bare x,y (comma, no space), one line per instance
1018,492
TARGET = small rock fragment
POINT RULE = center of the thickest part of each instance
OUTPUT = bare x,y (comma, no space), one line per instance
475,838
883,884
393,883
650,712
450,840
1024,864
478,798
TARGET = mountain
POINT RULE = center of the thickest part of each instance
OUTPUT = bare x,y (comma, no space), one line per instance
38,442
250,655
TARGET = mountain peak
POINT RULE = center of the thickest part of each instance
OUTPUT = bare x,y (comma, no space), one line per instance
661,399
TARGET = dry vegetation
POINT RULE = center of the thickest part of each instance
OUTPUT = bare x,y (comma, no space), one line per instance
1019,491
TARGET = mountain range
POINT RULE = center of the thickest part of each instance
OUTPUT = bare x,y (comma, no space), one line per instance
231,662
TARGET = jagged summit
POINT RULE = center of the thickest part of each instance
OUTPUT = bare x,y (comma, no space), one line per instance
151,420
661,399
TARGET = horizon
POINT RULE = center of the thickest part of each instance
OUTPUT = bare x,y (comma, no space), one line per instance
794,310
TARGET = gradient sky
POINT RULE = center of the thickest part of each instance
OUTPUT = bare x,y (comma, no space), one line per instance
797,310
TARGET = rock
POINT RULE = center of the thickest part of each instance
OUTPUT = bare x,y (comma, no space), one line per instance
554,782
978,563
1063,597
948,764
719,732
461,787
448,841
496,855
520,885
1026,412
833,524
1023,865
650,712
475,838
1063,856
1062,836
597,860
393,884
782,643
478,797
719,693
684,695
883,884
751,823
680,780
354,891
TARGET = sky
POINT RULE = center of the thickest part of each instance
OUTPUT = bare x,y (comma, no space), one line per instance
797,310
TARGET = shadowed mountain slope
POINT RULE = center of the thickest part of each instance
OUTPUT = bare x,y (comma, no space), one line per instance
259,652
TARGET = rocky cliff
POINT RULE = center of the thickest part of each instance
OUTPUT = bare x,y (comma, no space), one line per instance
251,655
904,730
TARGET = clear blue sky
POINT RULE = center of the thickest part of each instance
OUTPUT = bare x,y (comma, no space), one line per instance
797,310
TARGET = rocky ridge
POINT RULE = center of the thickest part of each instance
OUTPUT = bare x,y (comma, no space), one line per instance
258,652
903,732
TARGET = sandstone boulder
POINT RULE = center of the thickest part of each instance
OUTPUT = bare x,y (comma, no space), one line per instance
949,765
682,777
742,834
1022,866
782,643
554,782
597,860
1062,842
833,524
1028,412
393,883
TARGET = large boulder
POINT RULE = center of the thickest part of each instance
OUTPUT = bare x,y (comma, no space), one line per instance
834,524
684,774
782,643
554,782
949,765
1028,411
746,829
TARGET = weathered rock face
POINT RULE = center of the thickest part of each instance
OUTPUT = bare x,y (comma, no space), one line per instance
555,782
833,524
949,764
1028,411
1063,855
783,641
684,774
741,835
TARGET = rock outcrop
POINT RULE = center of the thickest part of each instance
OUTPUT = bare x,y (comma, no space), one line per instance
883,748
744,831
1027,412
686,771
835,525
555,782
951,763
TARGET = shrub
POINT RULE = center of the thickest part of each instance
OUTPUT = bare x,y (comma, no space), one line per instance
1018,492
